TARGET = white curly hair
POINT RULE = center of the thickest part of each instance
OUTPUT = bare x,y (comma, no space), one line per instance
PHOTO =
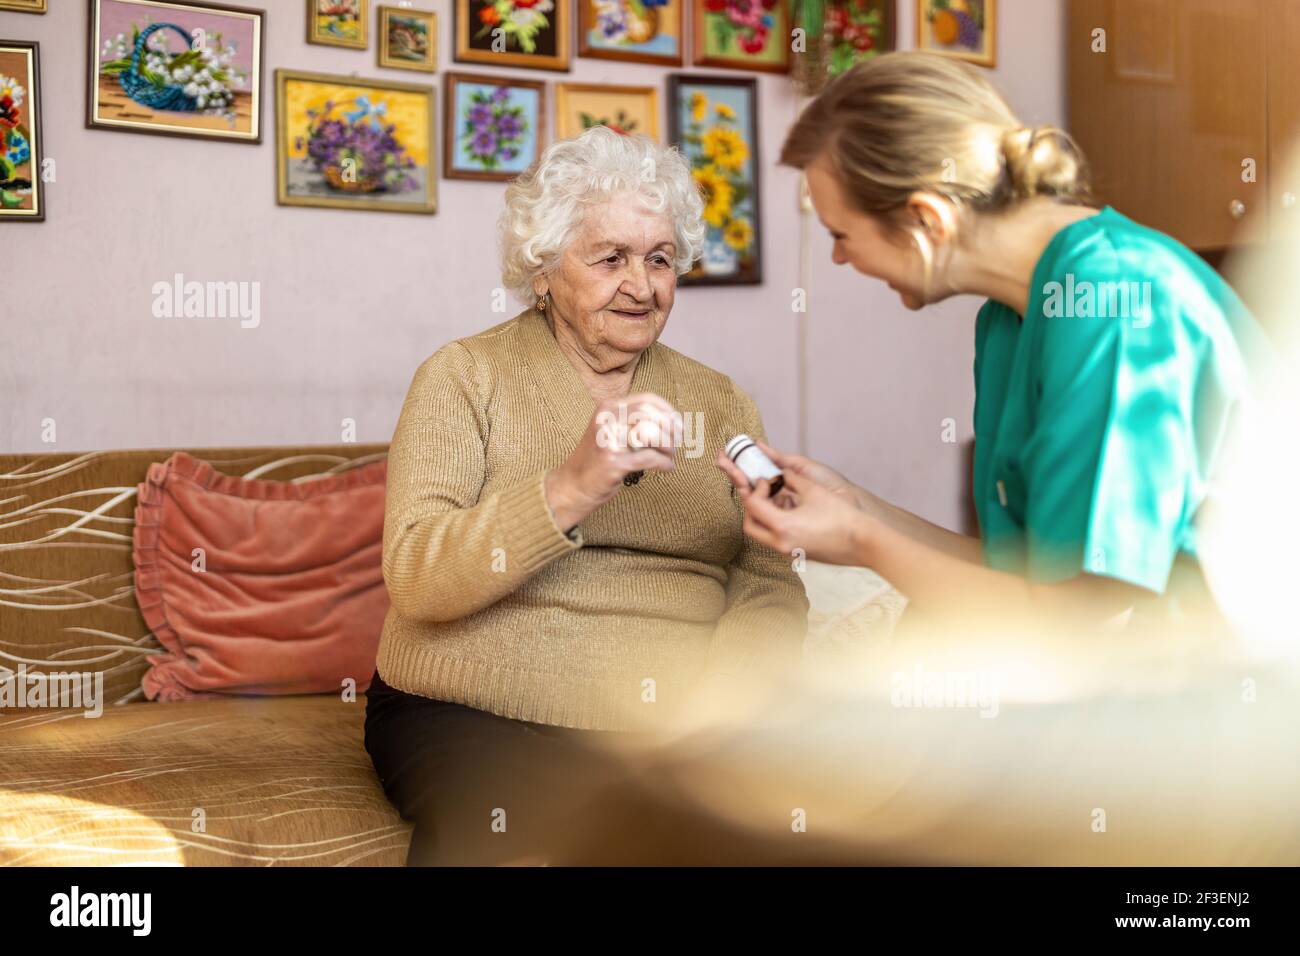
545,203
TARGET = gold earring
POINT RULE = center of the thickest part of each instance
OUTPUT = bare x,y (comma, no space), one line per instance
541,303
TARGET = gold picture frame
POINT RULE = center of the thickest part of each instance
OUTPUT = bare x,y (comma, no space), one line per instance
23,6
303,181
113,102
328,32
475,45
947,40
571,98
716,41
398,59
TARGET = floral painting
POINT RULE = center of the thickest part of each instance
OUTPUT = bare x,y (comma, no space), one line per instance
349,143
715,124
960,28
408,39
743,34
624,109
527,33
493,126
338,22
176,68
857,30
21,195
641,31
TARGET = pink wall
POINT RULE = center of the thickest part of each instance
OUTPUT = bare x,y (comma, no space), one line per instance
126,211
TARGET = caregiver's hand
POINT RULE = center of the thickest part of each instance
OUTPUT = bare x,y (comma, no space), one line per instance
614,445
824,475
825,525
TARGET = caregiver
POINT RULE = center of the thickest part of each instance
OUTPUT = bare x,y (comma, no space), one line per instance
1107,358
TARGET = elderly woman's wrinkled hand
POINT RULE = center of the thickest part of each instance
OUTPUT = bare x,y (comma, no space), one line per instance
625,435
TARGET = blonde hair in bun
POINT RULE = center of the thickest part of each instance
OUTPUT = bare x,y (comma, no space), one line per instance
911,121
1043,161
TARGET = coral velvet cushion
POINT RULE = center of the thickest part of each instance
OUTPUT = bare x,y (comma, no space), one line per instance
292,600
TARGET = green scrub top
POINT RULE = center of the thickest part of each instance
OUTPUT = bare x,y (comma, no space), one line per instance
1099,417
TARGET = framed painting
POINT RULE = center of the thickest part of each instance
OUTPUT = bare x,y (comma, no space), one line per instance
339,23
23,6
965,29
176,68
743,34
639,31
493,127
857,30
408,39
624,109
348,143
22,196
714,121
533,34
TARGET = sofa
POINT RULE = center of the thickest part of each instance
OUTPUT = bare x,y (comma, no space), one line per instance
244,781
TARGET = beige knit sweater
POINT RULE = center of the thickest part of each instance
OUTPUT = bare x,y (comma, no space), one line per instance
493,606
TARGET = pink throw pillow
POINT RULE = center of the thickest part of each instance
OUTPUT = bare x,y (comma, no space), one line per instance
292,598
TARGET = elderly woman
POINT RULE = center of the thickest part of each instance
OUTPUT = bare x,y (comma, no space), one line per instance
563,558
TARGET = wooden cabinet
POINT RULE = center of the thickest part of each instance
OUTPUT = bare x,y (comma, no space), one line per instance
1187,114
1284,113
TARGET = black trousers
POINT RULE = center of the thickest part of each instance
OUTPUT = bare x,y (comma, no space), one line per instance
486,790
483,789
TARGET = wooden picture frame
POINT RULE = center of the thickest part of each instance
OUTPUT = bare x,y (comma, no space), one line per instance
22,136
120,97
608,32
472,26
603,97
307,175
416,21
23,6
709,25
731,212
328,32
455,133
942,26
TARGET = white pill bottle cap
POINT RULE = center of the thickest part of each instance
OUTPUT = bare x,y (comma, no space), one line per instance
750,459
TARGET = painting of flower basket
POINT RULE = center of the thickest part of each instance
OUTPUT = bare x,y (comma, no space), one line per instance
624,109
743,34
533,34
961,28
181,69
348,143
714,121
21,193
339,23
640,31
492,127
408,39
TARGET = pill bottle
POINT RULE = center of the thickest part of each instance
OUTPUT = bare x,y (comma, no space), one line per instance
749,458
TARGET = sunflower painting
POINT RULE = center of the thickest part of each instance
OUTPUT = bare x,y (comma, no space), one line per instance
715,123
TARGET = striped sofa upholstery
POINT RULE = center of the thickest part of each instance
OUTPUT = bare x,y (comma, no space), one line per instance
245,781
